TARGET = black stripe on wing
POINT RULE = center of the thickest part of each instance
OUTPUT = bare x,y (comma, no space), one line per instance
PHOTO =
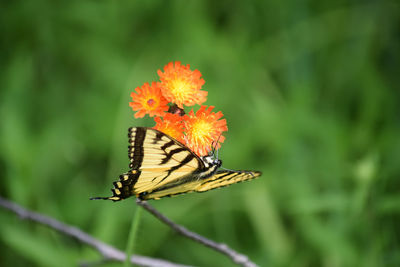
135,149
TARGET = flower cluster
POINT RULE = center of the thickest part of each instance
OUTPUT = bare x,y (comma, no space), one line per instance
165,100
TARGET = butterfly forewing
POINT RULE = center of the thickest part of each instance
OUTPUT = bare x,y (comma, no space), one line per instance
220,179
160,158
223,178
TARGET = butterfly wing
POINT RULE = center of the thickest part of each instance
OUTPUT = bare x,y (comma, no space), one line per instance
224,178
160,159
156,160
161,166
220,179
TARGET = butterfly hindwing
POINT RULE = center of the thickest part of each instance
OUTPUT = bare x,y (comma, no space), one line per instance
123,188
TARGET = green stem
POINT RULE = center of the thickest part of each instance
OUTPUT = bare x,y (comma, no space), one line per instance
132,236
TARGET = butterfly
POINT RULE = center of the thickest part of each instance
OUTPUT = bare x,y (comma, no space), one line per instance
161,166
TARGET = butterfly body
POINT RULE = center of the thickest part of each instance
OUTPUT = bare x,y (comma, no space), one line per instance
162,166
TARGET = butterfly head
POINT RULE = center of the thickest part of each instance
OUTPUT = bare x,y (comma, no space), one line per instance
210,161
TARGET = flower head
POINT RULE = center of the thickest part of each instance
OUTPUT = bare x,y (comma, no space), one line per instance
204,130
148,100
182,86
171,125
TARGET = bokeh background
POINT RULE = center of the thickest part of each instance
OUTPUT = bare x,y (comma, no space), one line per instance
310,90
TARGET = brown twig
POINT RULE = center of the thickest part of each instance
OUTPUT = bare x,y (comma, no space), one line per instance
107,251
223,248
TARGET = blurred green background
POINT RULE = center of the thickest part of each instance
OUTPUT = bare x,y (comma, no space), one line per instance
310,90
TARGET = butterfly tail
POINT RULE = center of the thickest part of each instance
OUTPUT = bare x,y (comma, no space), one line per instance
106,198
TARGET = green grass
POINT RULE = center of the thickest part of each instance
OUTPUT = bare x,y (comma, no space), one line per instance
310,91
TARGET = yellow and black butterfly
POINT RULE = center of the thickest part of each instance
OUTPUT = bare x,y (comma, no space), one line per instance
162,166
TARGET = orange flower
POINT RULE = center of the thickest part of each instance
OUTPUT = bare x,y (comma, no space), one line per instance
182,86
148,100
204,129
171,125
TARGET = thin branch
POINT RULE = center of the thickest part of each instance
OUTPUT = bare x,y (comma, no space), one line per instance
93,263
223,248
107,251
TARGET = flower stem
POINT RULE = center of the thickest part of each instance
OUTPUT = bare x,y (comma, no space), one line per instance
132,236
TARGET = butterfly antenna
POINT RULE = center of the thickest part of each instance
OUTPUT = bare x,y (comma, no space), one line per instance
215,146
212,151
